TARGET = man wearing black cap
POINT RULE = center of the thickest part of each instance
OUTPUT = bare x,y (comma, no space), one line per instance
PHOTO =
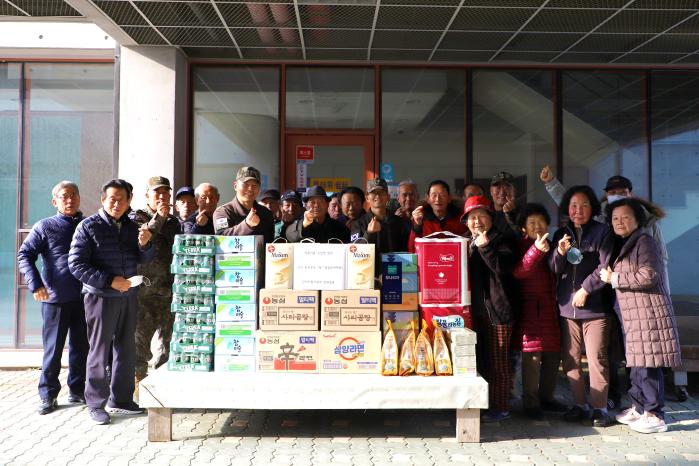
154,300
291,209
316,223
386,231
504,194
271,198
184,203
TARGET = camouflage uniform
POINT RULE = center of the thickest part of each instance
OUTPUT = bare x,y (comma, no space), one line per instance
154,300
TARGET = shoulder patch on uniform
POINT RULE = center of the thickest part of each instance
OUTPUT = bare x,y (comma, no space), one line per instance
221,223
354,237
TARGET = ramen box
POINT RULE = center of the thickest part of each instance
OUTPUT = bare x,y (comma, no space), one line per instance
360,266
279,259
236,312
349,352
238,244
281,351
288,310
350,310
233,363
319,266
443,271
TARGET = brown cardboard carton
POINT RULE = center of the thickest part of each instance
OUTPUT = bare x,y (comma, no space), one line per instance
280,351
350,310
288,310
350,352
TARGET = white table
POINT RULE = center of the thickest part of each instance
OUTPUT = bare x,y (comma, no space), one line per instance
162,391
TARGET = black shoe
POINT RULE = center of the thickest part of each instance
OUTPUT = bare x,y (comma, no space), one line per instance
47,405
576,414
613,403
536,414
681,393
601,419
76,399
99,416
124,408
554,406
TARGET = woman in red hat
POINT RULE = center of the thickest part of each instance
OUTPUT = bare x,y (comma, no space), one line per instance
490,266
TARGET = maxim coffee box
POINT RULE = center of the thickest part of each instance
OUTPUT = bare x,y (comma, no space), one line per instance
238,244
279,259
319,266
350,352
350,310
288,310
281,351
443,270
360,266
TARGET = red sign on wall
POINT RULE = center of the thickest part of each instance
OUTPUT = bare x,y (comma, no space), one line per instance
305,153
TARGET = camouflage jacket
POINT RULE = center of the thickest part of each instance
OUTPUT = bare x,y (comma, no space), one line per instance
164,230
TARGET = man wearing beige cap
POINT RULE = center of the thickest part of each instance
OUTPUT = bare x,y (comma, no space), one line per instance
377,226
154,300
244,216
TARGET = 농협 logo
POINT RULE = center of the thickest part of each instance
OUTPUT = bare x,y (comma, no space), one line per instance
328,300
349,348
446,257
266,300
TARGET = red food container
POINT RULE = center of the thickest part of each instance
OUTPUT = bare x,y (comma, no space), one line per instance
443,269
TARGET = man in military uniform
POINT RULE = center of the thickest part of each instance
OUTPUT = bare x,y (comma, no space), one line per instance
244,216
154,300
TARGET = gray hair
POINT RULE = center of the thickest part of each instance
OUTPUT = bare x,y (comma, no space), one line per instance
200,188
408,182
63,185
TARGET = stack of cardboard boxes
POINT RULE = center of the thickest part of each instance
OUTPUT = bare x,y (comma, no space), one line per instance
399,292
192,343
292,309
462,345
238,275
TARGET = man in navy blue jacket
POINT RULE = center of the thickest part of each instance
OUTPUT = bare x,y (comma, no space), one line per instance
104,253
59,293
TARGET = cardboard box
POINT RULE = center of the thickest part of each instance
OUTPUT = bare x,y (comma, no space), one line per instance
232,363
462,336
350,310
408,302
236,295
238,244
243,345
280,351
279,260
350,352
190,362
443,271
319,266
236,278
194,322
243,260
200,245
360,266
236,312
398,276
288,310
400,321
465,371
405,261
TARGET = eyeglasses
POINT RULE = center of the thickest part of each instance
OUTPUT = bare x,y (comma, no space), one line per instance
65,197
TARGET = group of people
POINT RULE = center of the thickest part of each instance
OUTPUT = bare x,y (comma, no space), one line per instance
545,299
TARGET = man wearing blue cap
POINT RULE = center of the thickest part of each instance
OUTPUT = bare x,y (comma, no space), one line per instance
184,203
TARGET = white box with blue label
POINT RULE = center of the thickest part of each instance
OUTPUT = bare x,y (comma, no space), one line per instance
350,310
243,260
238,244
234,363
236,295
349,352
288,310
236,312
236,278
235,338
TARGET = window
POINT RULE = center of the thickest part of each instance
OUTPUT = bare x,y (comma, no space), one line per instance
236,123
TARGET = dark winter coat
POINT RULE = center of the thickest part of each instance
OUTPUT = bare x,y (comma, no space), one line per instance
191,227
431,224
229,220
493,288
319,232
50,238
596,245
163,230
101,250
538,327
647,317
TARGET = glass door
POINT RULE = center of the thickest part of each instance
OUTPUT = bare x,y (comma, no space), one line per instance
330,161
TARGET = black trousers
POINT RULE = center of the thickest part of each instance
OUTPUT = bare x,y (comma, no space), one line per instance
111,327
61,320
647,392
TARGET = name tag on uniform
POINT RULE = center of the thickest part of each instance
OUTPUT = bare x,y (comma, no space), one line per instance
221,223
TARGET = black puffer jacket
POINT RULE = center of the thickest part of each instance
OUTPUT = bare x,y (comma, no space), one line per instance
490,271
50,238
102,250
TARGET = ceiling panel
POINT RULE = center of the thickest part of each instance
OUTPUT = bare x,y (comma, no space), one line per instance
666,4
689,59
462,56
610,42
196,36
640,21
325,16
543,42
407,55
336,54
406,39
144,35
211,52
649,58
179,13
568,20
683,43
491,19
266,37
257,14
413,17
334,38
8,10
272,54
122,13
524,57
474,40
586,3
46,8
579,57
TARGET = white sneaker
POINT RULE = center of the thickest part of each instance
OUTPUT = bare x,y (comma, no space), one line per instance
648,424
628,416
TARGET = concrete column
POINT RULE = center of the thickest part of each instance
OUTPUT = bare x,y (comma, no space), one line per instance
152,110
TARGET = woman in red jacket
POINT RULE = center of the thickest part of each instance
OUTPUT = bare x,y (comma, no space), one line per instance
439,214
537,333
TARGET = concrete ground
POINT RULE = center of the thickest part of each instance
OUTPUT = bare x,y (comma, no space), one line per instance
245,437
